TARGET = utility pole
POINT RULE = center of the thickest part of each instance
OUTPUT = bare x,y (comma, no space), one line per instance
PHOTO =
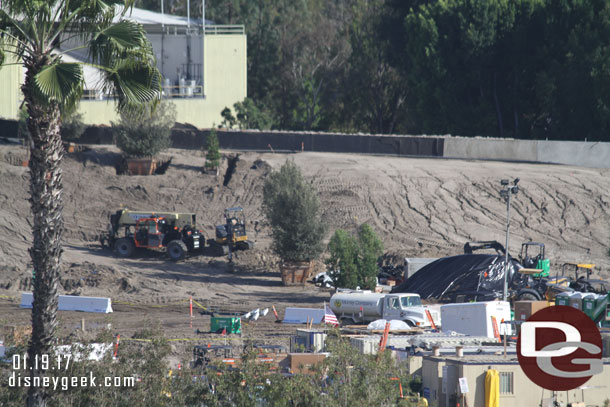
506,194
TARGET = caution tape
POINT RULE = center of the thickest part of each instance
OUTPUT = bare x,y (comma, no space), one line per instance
10,297
199,305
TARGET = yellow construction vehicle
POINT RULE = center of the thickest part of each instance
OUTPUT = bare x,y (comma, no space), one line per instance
232,235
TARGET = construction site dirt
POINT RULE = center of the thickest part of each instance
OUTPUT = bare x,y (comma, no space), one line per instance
419,207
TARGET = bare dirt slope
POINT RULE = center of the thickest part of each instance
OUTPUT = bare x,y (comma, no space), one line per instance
420,207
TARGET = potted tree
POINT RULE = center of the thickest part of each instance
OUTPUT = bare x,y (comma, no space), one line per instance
212,157
142,134
293,210
72,128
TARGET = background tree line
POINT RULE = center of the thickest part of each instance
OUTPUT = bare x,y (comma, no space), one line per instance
530,69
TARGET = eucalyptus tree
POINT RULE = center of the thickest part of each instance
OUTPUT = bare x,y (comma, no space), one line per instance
31,34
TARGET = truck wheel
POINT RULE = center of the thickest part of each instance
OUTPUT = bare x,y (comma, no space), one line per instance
176,249
528,295
347,321
124,247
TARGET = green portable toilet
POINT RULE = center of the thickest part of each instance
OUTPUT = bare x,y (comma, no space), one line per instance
589,301
231,324
562,299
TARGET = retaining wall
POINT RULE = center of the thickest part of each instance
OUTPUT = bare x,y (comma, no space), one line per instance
578,153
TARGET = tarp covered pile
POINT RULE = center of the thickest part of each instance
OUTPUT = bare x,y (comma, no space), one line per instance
460,278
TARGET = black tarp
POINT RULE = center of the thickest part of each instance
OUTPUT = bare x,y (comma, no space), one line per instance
461,278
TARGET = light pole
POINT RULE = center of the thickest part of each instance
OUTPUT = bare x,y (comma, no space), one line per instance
506,194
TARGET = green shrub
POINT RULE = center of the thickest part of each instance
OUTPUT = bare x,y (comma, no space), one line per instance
292,207
212,158
354,260
247,116
145,133
72,127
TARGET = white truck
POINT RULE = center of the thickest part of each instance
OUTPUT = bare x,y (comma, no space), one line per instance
363,306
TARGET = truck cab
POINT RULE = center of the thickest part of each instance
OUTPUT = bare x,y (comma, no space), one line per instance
406,307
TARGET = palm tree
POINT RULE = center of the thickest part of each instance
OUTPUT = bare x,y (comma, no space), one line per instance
33,32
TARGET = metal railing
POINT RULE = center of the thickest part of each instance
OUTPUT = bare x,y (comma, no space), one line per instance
168,92
233,29
225,30
186,91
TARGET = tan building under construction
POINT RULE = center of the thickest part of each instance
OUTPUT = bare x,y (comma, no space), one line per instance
441,385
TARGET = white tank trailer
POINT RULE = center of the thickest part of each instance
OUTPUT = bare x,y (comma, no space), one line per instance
363,306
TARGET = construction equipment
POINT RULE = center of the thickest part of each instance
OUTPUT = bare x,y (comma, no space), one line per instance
534,282
232,235
205,355
532,261
151,229
471,247
584,283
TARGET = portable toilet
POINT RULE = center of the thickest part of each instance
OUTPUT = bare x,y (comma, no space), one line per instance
562,299
588,304
576,300
232,325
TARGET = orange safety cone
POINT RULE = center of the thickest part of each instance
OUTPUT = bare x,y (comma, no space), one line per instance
277,318
116,346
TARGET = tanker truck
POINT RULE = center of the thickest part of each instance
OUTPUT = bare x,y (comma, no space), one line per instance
363,306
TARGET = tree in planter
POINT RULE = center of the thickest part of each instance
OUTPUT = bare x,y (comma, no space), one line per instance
146,132
292,207
354,260
72,127
30,30
212,157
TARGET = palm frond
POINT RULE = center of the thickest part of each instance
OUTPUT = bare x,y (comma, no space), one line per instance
13,28
60,82
116,39
135,83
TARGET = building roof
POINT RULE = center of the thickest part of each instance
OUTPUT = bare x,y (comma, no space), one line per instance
147,17
486,359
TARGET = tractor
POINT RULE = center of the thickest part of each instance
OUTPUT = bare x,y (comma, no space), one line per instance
149,229
532,283
532,261
232,235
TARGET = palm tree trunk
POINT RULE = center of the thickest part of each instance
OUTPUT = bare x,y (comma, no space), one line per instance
47,204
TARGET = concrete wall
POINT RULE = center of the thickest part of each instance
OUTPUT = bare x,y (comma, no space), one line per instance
226,77
586,154
490,149
10,93
578,153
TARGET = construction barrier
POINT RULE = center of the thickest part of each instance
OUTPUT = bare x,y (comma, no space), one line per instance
303,315
74,303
